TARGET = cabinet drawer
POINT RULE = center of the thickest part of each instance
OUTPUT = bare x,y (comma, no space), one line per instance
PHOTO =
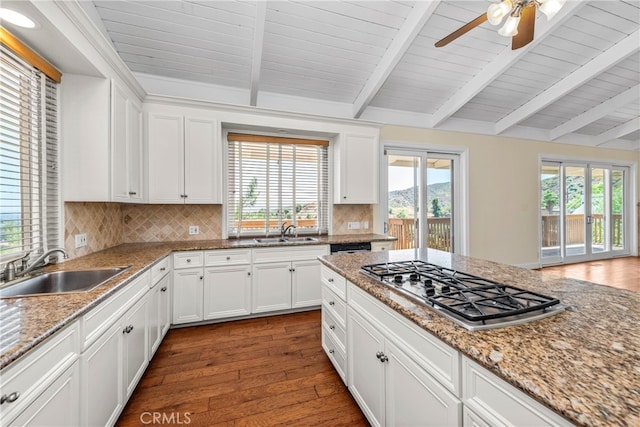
434,356
159,270
333,280
337,356
382,246
338,332
289,253
501,404
188,259
30,375
334,304
227,257
102,317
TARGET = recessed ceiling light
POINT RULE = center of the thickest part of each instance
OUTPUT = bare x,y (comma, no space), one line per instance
16,18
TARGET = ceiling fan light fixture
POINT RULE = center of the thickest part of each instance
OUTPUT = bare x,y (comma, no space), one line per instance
550,7
510,27
497,11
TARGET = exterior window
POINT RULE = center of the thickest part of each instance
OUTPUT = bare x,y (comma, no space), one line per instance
29,195
275,181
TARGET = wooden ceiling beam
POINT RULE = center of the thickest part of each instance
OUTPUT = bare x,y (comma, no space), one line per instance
626,47
596,113
258,47
502,63
420,14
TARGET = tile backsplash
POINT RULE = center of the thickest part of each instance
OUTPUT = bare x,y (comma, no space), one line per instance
111,224
343,214
155,223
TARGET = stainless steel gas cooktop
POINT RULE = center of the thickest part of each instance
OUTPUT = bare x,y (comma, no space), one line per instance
473,302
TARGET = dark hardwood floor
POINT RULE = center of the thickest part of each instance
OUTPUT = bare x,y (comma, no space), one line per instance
623,273
259,372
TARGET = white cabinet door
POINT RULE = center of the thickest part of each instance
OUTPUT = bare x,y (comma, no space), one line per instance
119,146
153,323
165,158
365,370
164,310
413,397
58,405
135,152
306,285
101,373
227,291
135,345
358,169
187,295
271,287
201,182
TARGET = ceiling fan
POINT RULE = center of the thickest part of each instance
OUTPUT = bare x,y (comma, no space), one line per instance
520,22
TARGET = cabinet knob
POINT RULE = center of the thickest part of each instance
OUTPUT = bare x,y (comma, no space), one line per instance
248,273
201,277
330,280
128,329
384,358
184,196
132,193
228,258
163,289
9,398
344,197
332,303
331,351
332,327
188,259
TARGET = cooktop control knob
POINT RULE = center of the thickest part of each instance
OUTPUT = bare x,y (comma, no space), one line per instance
428,283
413,277
430,291
397,278
445,289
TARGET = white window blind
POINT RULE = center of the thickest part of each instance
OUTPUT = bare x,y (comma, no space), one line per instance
29,199
272,181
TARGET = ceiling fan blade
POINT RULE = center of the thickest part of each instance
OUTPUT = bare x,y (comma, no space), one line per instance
462,30
525,28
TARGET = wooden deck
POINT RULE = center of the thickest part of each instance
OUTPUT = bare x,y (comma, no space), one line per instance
259,372
623,273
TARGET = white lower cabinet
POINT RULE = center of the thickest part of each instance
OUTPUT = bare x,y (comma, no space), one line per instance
390,387
227,291
188,285
271,287
135,347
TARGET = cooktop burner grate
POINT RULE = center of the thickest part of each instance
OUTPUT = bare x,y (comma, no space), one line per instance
465,298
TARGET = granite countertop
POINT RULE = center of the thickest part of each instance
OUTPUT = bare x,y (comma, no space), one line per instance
39,317
583,363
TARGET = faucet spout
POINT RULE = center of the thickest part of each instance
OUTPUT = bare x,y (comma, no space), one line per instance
39,261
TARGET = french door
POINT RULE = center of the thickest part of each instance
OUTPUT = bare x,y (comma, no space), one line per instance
420,206
584,211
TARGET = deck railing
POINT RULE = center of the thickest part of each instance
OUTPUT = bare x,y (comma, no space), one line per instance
575,230
438,234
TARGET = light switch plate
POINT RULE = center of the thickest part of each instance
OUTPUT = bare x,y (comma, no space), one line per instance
194,229
353,225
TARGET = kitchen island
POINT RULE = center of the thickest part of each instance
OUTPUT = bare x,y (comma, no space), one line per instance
583,363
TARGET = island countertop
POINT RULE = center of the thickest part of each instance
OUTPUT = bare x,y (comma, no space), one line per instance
39,317
583,363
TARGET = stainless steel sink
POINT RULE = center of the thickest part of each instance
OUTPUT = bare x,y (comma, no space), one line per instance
61,282
285,239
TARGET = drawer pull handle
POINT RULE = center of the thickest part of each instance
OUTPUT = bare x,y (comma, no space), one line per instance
163,289
162,269
331,351
10,398
128,329
188,259
132,193
330,280
332,303
332,327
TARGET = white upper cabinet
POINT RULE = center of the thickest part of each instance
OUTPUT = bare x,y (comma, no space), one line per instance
356,166
101,141
126,147
184,159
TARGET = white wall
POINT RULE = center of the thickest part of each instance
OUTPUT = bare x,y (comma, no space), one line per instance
503,187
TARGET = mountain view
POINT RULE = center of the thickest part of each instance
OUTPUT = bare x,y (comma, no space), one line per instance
401,201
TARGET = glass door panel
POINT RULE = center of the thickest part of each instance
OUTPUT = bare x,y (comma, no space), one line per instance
617,210
575,211
597,218
550,197
439,204
404,199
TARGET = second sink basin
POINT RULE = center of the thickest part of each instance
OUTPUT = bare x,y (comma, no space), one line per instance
61,282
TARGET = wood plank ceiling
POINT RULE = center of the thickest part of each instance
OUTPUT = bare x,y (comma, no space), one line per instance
578,82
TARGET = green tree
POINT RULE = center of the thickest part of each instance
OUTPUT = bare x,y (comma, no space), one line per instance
549,200
435,208
249,199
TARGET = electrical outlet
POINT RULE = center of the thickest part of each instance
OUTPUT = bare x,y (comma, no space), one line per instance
194,229
81,240
353,225
365,225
